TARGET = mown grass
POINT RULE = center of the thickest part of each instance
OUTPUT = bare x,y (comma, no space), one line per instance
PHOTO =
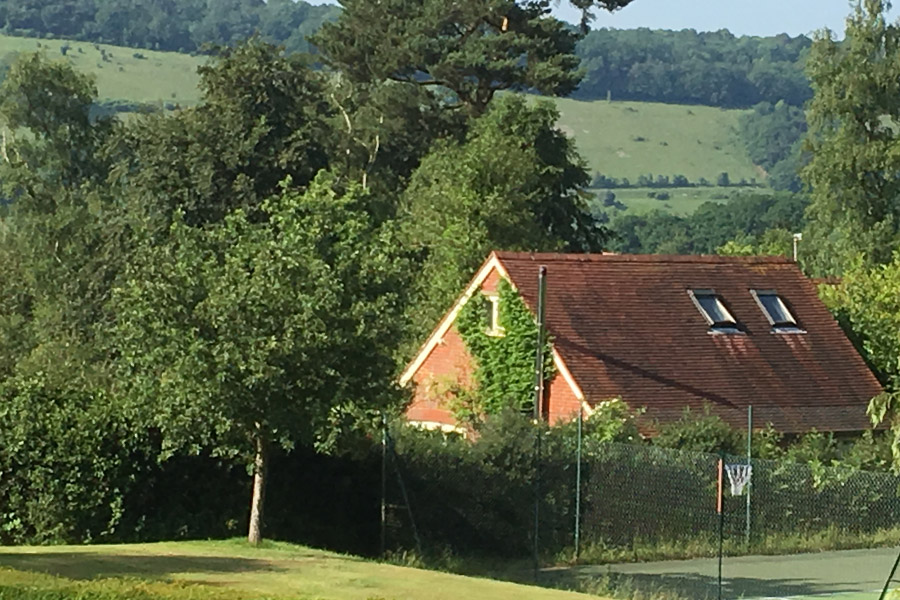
234,571
627,139
125,73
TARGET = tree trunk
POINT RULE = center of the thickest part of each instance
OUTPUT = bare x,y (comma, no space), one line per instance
260,466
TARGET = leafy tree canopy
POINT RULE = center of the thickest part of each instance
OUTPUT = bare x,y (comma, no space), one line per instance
237,336
472,49
853,141
515,183
263,117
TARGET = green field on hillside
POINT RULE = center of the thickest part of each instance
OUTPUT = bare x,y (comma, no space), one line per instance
121,73
627,139
618,139
232,570
681,201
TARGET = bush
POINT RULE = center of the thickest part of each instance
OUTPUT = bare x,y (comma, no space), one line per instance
703,432
67,463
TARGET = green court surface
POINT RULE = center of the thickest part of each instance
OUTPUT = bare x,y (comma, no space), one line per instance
844,574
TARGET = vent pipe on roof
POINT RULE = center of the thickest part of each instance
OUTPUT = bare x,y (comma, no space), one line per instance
797,238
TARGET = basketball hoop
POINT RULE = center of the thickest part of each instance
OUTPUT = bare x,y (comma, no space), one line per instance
738,476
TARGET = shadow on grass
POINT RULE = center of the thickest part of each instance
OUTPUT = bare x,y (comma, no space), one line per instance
687,585
91,565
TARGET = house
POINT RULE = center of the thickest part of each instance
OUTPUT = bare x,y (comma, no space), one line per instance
669,332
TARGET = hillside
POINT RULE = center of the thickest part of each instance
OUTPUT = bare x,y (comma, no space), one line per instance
627,139
618,139
121,73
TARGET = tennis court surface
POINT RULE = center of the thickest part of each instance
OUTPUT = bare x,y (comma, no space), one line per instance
845,574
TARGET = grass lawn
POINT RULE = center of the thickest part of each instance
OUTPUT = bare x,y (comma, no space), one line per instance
157,77
682,201
232,569
627,139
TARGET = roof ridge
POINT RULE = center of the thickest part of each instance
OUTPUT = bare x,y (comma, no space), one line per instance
640,258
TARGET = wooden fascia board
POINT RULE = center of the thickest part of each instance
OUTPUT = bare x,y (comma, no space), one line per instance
563,370
493,262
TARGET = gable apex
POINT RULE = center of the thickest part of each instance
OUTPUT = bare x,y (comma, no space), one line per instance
489,266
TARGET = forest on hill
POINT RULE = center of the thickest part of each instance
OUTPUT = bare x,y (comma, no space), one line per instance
172,25
682,67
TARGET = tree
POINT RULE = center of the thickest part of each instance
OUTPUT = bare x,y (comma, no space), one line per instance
245,334
853,141
60,248
49,139
515,183
473,48
867,305
263,117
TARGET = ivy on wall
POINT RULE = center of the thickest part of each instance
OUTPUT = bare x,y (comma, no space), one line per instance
504,364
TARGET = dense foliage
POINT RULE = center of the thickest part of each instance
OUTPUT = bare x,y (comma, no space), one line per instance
232,280
515,183
853,142
174,25
773,135
715,68
504,375
751,219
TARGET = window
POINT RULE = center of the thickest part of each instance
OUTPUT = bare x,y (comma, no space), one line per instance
776,311
714,311
492,307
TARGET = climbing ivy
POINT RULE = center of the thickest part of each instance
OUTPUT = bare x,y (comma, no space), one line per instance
504,364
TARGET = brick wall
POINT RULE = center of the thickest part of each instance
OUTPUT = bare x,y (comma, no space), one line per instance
449,362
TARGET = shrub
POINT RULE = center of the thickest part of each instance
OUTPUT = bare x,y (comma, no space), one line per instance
67,462
703,432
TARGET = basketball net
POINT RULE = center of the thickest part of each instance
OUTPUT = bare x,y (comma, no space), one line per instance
738,476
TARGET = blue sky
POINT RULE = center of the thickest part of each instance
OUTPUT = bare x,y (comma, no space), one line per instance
742,17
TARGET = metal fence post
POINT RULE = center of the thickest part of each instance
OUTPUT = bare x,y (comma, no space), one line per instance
383,485
721,511
538,402
749,458
578,484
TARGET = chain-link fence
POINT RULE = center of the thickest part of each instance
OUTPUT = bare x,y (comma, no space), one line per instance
633,501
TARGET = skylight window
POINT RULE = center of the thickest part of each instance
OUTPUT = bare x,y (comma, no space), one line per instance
776,311
714,311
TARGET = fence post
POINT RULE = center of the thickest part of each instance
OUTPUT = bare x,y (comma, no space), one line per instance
538,402
749,483
721,511
578,484
383,485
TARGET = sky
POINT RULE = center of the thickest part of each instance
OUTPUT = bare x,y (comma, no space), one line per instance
741,17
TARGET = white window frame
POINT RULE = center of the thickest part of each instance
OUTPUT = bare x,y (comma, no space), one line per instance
792,327
494,329
730,326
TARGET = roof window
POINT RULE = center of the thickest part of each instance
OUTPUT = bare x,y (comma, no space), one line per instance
776,311
714,311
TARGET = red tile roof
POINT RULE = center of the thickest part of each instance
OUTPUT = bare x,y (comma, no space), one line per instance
626,326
